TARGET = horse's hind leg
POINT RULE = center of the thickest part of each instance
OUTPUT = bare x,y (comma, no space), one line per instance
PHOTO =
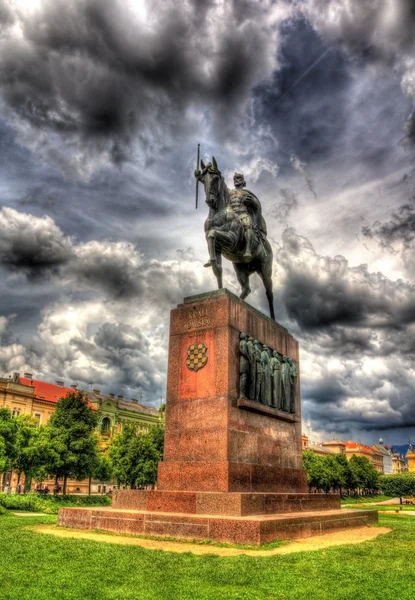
243,278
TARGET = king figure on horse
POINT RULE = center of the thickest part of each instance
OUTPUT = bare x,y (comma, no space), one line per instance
236,229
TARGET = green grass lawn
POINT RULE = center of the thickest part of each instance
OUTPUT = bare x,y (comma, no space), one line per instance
35,566
364,499
382,507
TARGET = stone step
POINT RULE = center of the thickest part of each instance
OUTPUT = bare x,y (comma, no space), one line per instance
218,503
254,530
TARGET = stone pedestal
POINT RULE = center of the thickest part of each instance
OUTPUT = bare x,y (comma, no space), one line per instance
214,443
232,468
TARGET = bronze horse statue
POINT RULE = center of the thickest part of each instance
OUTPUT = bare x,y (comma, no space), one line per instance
227,232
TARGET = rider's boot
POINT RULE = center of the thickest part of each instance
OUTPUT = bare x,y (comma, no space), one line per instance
208,263
248,236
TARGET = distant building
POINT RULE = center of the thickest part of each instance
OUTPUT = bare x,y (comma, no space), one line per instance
398,463
386,457
28,396
410,459
316,447
336,446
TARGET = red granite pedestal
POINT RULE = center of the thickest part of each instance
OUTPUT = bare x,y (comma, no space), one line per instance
232,468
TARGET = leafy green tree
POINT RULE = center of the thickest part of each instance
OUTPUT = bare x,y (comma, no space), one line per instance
362,475
338,468
400,484
335,472
30,448
101,468
3,456
72,442
316,472
135,456
7,437
121,456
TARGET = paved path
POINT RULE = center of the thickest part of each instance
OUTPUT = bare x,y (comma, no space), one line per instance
28,514
351,536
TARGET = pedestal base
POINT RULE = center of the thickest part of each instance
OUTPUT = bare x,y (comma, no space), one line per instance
224,504
253,530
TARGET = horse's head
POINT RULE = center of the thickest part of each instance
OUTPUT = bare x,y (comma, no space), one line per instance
214,184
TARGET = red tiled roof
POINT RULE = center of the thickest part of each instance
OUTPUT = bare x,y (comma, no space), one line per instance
355,446
48,392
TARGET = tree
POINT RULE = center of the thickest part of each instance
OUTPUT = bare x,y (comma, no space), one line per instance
335,472
101,469
7,439
135,456
72,441
3,456
362,475
400,485
30,448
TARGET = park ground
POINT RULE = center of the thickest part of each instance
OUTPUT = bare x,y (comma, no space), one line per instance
39,566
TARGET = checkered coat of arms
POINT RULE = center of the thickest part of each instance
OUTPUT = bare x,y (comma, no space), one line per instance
196,356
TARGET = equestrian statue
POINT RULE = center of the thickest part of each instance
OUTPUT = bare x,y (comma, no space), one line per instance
235,229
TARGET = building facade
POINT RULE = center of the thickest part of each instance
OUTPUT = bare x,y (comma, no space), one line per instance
386,457
28,396
410,459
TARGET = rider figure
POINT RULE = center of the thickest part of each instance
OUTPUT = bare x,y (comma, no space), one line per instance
248,208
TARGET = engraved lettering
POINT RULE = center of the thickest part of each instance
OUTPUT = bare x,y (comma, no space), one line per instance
197,319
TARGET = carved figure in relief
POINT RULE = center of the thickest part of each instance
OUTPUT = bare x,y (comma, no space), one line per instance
266,377
275,368
243,365
258,375
293,386
285,384
252,368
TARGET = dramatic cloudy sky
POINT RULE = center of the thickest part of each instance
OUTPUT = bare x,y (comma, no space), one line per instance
102,104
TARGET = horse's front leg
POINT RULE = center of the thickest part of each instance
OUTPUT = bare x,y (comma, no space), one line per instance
215,256
218,272
211,243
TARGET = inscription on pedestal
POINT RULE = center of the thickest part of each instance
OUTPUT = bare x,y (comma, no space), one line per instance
197,319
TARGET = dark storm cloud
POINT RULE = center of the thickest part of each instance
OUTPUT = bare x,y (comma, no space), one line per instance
400,228
373,31
100,74
32,244
113,337
356,331
6,14
35,247
288,202
113,267
307,118
126,353
322,291
397,234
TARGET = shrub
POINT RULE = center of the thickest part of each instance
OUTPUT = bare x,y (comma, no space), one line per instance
49,504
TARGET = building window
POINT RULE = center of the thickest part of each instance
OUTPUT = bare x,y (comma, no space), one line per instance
16,412
38,417
106,425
